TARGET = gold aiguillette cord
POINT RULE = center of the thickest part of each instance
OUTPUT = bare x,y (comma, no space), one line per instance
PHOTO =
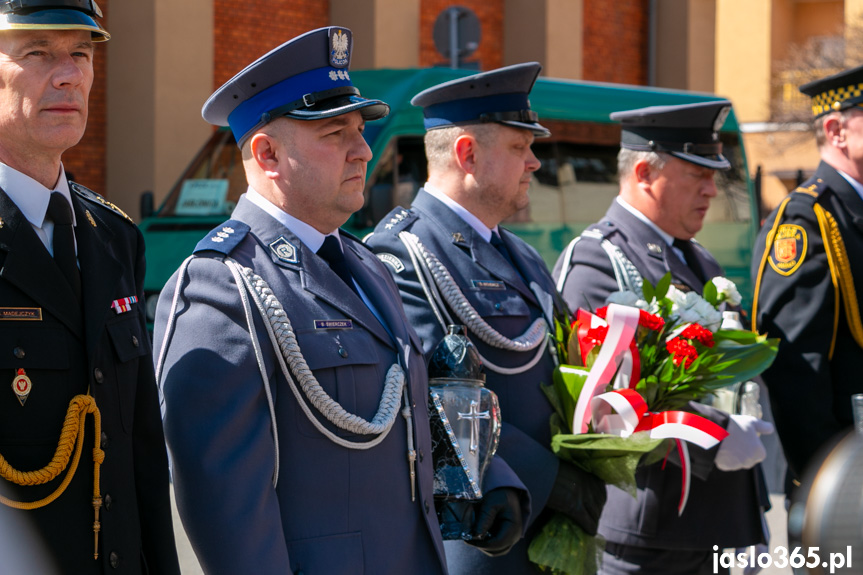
70,446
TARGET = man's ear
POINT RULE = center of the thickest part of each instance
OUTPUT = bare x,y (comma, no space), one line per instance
264,149
643,172
834,132
465,148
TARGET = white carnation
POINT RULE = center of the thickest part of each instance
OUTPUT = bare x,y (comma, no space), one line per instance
692,308
726,290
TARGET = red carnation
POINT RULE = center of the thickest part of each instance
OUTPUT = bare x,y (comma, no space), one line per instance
650,321
681,350
596,335
601,312
698,333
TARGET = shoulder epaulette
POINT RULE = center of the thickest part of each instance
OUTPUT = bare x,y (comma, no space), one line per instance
600,230
93,197
397,220
811,188
224,237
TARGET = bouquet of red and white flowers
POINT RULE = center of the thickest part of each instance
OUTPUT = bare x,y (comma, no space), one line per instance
628,372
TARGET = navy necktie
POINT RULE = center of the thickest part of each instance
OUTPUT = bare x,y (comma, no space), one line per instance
331,252
690,259
498,244
64,241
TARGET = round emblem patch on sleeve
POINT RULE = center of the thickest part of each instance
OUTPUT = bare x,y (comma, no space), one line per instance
788,250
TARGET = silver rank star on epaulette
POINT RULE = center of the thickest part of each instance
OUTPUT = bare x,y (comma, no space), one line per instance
222,235
654,248
396,219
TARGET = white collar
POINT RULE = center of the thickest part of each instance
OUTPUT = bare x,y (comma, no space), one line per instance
858,187
312,238
30,196
669,239
470,219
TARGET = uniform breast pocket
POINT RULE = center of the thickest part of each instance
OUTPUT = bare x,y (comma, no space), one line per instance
51,362
346,365
131,346
492,303
33,348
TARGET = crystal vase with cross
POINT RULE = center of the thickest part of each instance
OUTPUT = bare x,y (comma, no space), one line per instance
465,425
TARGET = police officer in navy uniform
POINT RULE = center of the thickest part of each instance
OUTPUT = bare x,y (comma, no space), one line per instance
448,253
295,388
667,164
806,281
76,356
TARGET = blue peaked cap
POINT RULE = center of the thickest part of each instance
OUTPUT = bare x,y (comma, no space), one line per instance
497,96
306,78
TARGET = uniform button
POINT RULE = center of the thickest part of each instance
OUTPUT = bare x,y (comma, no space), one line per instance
108,501
343,352
114,559
135,340
422,455
97,375
103,440
426,505
19,352
497,306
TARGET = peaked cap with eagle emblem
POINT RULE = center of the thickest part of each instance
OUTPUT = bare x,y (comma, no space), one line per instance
306,78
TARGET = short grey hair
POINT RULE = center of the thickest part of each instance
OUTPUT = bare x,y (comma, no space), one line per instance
626,160
439,142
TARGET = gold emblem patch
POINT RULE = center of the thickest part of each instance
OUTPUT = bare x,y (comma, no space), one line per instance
788,250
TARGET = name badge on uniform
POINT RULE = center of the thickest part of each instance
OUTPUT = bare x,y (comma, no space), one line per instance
21,313
334,324
123,304
488,284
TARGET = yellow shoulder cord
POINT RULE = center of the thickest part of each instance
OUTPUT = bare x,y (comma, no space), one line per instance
840,269
768,242
72,434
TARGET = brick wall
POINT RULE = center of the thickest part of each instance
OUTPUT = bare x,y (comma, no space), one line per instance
615,41
243,32
490,14
86,161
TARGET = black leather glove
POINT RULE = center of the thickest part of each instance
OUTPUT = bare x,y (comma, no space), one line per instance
579,495
456,518
499,522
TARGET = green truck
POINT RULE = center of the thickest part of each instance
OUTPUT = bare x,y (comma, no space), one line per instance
572,189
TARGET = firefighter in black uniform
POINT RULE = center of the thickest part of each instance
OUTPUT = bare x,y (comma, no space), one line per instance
806,279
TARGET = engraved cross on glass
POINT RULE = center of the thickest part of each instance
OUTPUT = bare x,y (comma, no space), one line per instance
474,415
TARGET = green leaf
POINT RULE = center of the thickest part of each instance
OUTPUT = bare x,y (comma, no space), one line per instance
565,549
710,294
568,382
662,286
648,291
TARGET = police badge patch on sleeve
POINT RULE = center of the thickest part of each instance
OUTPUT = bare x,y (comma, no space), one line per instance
788,250
393,261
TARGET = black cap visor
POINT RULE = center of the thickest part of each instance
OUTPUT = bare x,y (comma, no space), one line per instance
370,109
714,162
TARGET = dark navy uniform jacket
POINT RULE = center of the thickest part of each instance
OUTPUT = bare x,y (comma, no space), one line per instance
334,509
723,507
70,350
503,298
810,387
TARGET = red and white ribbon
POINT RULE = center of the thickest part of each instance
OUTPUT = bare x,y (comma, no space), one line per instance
622,323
